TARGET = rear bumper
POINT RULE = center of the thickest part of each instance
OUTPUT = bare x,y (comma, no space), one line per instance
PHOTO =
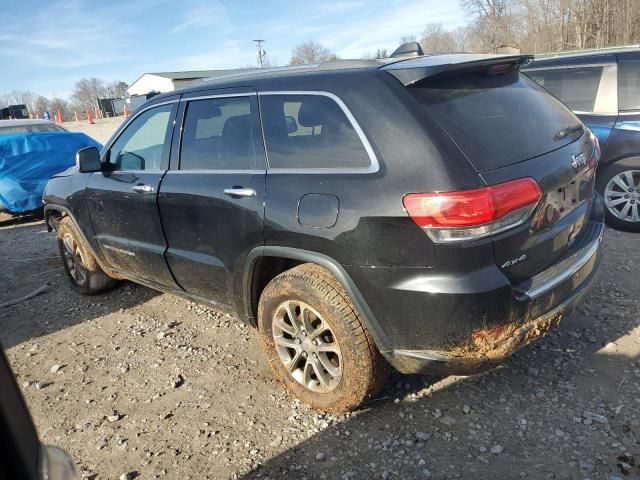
489,347
467,326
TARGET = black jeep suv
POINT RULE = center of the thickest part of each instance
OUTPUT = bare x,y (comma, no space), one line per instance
433,213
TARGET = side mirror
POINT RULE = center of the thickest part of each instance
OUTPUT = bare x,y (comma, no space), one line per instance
292,126
88,160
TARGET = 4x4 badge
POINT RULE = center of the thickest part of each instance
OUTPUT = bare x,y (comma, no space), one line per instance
515,261
579,160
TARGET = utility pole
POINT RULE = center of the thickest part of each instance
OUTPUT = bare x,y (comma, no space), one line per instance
261,52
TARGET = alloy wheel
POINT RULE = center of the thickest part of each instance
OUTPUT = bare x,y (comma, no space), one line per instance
73,260
622,195
307,346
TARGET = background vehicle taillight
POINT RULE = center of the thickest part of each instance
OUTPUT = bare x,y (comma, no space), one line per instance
471,214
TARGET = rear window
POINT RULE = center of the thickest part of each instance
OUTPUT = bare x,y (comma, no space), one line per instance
496,120
39,127
629,85
576,87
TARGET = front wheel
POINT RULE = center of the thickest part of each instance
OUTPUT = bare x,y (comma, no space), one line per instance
82,269
316,342
620,187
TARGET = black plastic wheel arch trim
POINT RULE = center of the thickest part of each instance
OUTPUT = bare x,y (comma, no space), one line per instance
336,270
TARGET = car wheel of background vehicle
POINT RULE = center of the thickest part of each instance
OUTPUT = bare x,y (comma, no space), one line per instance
316,342
619,184
83,271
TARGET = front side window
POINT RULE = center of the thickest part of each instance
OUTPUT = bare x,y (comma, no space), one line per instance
310,131
629,85
141,145
221,134
576,87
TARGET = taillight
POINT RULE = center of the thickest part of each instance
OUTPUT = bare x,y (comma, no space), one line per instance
473,214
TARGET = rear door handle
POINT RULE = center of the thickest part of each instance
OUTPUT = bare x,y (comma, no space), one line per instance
240,192
143,189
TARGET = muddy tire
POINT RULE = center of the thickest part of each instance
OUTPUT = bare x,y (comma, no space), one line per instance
316,343
82,269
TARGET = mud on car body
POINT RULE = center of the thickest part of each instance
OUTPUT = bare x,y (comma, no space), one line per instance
361,214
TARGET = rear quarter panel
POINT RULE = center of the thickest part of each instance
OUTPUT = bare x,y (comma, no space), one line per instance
372,228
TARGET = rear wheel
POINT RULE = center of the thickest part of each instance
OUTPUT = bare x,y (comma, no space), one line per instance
620,187
315,341
82,269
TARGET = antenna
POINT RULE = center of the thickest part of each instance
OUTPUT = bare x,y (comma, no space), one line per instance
261,52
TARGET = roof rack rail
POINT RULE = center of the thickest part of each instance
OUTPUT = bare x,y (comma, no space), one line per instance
587,51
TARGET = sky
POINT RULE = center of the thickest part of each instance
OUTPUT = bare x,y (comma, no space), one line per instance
47,45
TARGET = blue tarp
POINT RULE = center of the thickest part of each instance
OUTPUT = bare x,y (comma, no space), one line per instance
28,160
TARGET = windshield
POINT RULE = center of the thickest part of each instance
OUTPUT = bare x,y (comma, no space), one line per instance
497,120
30,128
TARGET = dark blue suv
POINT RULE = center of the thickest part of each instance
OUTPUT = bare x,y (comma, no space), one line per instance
603,90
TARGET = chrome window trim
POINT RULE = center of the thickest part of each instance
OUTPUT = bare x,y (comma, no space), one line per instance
596,114
566,67
236,171
219,95
130,171
374,165
126,124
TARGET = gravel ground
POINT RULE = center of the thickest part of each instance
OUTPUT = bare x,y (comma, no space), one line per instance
149,385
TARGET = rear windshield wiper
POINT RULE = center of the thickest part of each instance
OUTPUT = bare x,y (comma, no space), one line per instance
569,130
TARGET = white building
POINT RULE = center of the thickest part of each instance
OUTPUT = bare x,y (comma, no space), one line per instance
169,81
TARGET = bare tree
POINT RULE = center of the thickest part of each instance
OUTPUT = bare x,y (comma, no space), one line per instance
379,53
41,105
60,105
435,39
20,97
537,26
87,92
311,52
117,89
408,39
494,21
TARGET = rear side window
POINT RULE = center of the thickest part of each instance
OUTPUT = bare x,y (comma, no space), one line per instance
576,87
220,134
310,131
496,120
629,85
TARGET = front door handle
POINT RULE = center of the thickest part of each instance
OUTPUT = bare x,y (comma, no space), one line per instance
240,192
143,189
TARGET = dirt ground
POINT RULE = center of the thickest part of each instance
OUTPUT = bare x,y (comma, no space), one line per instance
101,130
149,385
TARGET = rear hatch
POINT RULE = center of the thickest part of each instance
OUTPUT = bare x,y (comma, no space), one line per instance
509,128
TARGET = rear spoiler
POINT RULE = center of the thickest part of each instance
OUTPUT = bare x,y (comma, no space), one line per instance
414,70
